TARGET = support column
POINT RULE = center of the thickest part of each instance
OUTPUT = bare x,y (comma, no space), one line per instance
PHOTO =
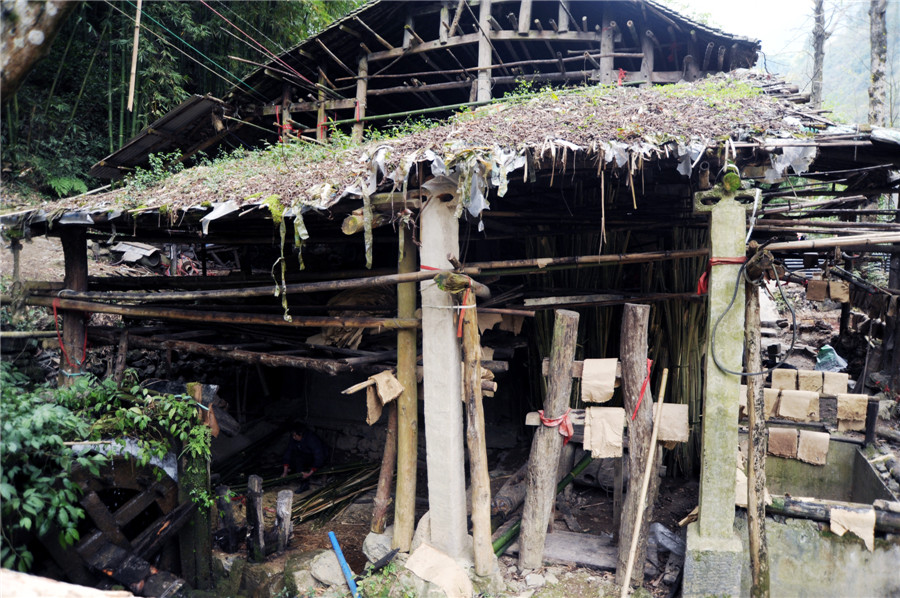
484,52
407,403
362,86
714,554
443,405
74,243
607,47
321,124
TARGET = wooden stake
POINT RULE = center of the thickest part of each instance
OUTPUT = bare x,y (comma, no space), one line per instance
645,483
407,402
256,544
544,458
480,480
225,508
386,477
195,539
283,523
756,486
633,356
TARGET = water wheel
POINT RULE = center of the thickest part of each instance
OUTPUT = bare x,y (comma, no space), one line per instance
131,514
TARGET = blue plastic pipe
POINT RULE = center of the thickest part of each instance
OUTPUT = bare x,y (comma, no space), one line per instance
348,574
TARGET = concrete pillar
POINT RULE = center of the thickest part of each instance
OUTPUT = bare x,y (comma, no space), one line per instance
444,439
714,554
484,52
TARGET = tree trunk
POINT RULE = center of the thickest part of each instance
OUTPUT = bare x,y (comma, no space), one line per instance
633,355
27,35
544,458
386,478
878,42
818,42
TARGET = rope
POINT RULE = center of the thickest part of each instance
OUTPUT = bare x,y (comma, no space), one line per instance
562,422
643,389
63,347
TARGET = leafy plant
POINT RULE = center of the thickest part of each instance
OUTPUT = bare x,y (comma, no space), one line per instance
37,492
67,185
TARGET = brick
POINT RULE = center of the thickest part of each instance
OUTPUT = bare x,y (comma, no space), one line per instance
784,379
812,412
839,290
794,404
851,425
852,407
817,290
771,398
835,383
813,447
810,380
783,442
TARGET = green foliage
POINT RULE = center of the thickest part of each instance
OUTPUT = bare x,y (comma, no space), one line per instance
161,167
386,583
66,185
715,92
37,492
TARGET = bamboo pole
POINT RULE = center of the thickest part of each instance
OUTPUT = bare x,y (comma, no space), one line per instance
183,315
479,476
522,266
756,486
645,483
134,55
544,458
831,242
407,402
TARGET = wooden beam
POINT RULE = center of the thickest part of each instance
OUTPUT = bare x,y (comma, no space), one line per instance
362,85
484,53
607,47
524,17
74,244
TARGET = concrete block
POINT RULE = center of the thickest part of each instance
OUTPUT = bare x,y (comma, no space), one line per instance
794,404
816,290
771,397
810,380
839,290
812,447
835,383
712,565
852,407
784,379
812,412
783,442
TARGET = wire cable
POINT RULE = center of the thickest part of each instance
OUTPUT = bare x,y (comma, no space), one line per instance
727,309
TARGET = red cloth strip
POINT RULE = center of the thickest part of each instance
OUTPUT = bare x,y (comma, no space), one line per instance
563,422
643,390
703,283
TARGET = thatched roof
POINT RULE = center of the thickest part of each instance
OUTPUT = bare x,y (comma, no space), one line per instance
610,127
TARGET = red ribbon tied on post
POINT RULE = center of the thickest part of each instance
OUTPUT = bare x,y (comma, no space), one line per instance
703,283
563,422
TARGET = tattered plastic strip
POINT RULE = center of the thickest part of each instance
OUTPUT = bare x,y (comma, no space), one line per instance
219,210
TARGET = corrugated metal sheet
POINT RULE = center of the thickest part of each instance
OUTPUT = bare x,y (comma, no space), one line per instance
169,133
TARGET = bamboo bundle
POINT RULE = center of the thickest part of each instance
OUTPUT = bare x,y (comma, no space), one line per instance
332,499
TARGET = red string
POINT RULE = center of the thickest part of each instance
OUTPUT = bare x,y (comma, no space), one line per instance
565,424
622,73
429,268
59,338
703,283
643,389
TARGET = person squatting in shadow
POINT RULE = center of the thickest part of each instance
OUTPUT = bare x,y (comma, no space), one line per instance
305,454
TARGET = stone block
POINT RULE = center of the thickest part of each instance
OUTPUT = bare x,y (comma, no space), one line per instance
852,406
795,404
375,546
810,380
812,447
783,442
712,566
817,290
326,569
784,379
839,290
835,383
771,397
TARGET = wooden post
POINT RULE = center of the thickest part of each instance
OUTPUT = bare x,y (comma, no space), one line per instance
544,458
607,47
479,476
618,495
647,48
386,477
283,523
74,244
118,373
256,543
362,86
226,514
195,539
756,485
484,52
524,17
407,403
633,356
321,133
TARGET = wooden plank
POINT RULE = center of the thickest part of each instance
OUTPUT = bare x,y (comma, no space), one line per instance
103,519
154,537
583,550
134,507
